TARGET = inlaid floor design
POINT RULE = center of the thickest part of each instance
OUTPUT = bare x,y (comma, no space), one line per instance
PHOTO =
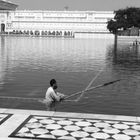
4,117
50,128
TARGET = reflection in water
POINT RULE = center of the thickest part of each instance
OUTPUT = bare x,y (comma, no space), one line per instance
125,54
27,65
124,60
55,55
31,62
3,60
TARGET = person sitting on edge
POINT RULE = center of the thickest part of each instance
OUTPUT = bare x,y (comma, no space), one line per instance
52,96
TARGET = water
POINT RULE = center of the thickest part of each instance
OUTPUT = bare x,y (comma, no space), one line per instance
27,65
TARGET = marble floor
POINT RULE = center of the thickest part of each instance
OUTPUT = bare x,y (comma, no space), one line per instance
4,117
30,124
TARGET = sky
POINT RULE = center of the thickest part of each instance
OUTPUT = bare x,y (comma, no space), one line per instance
94,5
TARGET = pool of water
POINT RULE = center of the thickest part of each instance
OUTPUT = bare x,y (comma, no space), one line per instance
27,65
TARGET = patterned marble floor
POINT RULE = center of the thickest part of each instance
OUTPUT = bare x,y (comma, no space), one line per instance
63,128
4,117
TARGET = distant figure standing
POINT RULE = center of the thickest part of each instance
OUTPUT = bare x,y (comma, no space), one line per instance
136,42
52,96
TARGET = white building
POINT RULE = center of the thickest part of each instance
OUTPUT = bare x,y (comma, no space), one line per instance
60,23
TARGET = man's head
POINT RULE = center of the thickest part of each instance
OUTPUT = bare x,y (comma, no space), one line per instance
53,84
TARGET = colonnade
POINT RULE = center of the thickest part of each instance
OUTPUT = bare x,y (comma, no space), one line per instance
56,33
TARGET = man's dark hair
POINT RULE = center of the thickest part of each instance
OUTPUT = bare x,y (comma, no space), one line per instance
53,81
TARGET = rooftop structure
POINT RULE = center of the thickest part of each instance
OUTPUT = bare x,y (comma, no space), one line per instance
6,5
52,23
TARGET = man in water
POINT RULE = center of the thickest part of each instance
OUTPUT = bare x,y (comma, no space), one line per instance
52,96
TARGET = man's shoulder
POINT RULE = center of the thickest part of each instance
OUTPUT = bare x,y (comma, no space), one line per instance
50,89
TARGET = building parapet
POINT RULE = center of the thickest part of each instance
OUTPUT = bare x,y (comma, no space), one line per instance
31,21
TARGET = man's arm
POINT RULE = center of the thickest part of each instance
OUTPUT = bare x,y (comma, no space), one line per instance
61,96
55,97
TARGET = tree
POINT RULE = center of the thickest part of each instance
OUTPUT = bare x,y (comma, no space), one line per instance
112,26
124,19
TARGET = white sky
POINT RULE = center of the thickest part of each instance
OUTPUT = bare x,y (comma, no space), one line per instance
101,5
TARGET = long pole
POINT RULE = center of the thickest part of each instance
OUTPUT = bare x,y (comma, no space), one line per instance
65,99
98,86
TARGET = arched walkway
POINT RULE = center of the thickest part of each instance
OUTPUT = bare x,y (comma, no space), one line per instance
2,27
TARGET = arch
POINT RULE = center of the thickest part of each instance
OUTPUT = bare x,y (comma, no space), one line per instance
49,33
68,33
31,32
65,33
37,33
2,27
53,33
42,33
57,33
24,32
20,32
61,33
27,32
46,33
17,32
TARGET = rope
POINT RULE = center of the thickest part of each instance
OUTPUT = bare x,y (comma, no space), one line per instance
94,78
